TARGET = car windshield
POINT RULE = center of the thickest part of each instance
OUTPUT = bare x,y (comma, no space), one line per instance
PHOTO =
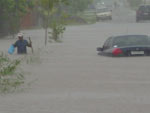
131,41
102,10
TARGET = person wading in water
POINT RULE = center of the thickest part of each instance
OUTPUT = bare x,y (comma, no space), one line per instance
22,44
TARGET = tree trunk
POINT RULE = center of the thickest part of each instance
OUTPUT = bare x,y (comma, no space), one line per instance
46,29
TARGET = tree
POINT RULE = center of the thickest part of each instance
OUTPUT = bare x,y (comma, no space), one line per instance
57,23
135,3
48,6
78,5
11,12
70,6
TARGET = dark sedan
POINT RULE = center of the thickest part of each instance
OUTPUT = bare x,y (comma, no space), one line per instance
143,13
126,45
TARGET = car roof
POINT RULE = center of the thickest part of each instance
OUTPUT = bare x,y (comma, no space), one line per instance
124,36
147,5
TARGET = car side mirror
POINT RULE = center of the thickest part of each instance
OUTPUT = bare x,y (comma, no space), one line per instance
99,49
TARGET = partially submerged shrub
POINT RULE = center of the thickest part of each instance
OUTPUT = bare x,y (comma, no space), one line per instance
9,78
9,67
57,30
57,24
10,83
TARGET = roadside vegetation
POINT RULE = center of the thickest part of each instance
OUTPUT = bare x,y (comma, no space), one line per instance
89,16
10,79
12,8
135,3
12,76
57,14
53,14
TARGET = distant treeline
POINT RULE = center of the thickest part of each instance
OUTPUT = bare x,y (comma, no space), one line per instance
135,3
12,11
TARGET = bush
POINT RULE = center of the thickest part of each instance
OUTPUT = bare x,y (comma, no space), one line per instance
9,78
57,30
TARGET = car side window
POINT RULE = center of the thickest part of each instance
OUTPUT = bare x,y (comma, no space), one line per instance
149,40
108,43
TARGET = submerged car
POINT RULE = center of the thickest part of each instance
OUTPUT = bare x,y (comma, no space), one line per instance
143,13
126,45
103,14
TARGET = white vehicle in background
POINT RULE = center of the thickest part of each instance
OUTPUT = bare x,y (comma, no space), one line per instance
103,14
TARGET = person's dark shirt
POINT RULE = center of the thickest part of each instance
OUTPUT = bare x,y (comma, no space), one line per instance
21,46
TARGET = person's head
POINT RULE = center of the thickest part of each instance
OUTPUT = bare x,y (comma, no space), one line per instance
20,36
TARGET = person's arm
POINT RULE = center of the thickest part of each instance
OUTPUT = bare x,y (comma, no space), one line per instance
15,44
28,44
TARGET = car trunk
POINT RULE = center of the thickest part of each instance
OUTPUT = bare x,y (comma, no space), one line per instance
136,50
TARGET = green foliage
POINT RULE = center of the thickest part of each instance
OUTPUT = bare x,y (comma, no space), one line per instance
135,3
9,78
11,12
57,29
9,68
78,5
49,7
57,24
50,4
89,16
9,84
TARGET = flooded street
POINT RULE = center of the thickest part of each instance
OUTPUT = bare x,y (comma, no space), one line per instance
72,78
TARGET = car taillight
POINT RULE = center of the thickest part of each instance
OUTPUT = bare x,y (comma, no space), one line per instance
117,51
138,12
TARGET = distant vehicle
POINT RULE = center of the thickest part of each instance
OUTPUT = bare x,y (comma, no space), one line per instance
103,14
126,45
143,13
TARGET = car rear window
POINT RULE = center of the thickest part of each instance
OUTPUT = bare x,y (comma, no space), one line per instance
145,8
131,41
103,10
